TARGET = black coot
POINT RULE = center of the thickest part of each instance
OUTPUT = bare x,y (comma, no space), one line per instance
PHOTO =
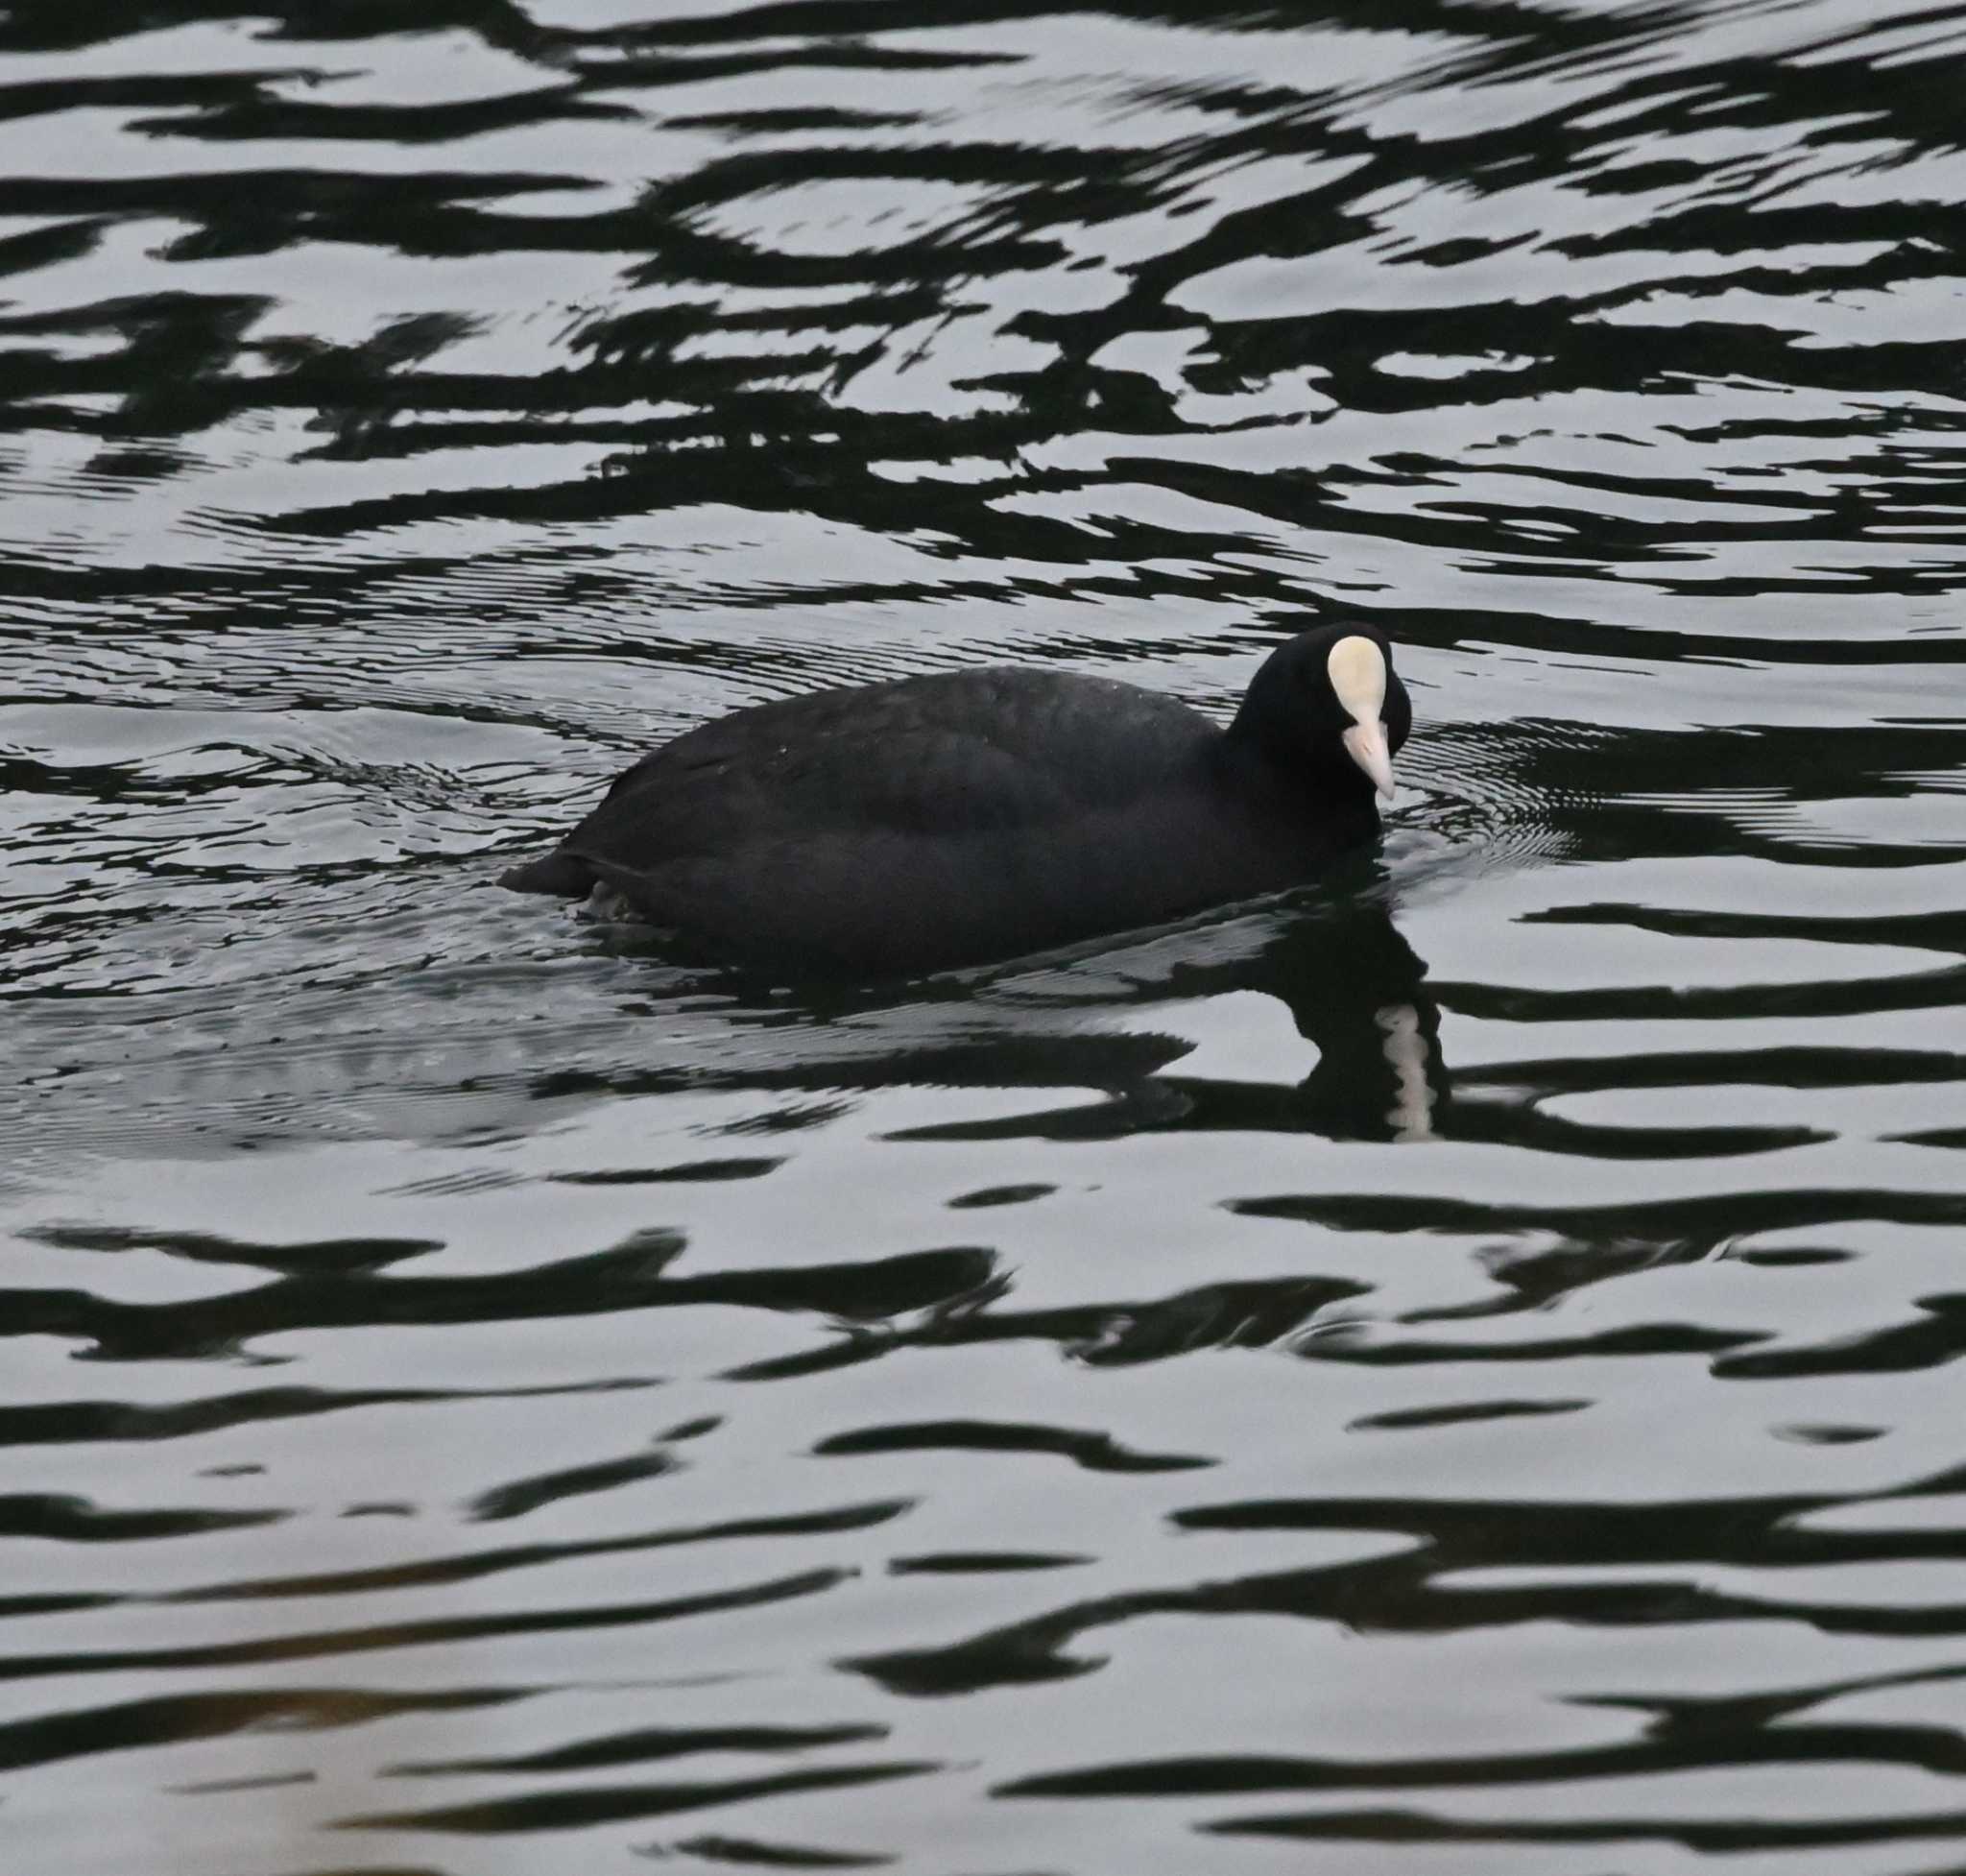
982,814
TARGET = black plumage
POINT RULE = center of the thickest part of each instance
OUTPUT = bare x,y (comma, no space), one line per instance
969,815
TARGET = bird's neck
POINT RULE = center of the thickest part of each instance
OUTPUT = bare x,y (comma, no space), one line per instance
1249,763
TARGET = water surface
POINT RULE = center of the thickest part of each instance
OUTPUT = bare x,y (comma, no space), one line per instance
1443,1372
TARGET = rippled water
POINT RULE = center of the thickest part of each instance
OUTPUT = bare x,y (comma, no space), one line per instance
1446,1373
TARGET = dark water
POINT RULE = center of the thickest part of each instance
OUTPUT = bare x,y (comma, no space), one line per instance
1451,1373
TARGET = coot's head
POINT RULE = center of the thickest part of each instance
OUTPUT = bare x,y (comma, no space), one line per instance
1328,704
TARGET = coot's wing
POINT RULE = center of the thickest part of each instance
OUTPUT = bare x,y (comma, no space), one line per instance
949,755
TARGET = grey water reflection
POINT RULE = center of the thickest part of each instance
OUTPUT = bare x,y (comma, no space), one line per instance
1449,1369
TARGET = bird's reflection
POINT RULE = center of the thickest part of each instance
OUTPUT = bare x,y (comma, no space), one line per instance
1120,1019
1357,992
